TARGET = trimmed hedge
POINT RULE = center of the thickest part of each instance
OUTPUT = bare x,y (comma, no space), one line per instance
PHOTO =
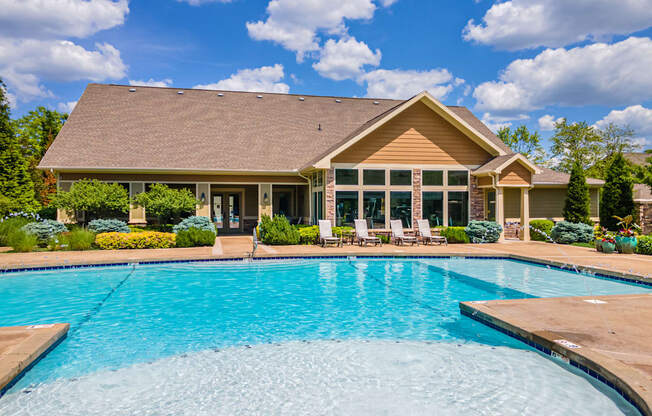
568,233
278,231
455,235
483,231
644,245
45,230
540,229
108,226
200,223
309,235
194,237
147,239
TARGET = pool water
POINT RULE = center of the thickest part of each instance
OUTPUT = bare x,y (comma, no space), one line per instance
364,336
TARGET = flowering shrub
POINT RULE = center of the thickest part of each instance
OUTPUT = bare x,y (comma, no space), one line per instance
146,239
108,226
45,230
200,223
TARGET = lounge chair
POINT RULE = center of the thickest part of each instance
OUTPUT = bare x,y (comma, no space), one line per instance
426,234
398,236
326,234
362,234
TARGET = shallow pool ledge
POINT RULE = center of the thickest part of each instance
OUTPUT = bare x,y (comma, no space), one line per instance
607,337
22,346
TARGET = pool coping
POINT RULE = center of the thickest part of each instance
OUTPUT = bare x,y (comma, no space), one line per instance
32,344
612,373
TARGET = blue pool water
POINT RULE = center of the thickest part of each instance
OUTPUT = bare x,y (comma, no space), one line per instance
156,320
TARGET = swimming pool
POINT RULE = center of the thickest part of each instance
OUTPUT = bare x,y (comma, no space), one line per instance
325,336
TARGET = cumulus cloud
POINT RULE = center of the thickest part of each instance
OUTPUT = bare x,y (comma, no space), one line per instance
636,117
344,59
59,18
151,82
263,79
387,3
402,84
66,107
547,122
600,74
25,62
521,24
200,2
294,23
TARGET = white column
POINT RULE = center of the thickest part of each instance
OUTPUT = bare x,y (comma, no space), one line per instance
500,211
525,214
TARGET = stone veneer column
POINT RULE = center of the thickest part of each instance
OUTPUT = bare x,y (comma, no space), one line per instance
416,197
329,186
644,216
477,200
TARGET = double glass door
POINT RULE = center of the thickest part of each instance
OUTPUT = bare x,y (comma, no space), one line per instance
227,211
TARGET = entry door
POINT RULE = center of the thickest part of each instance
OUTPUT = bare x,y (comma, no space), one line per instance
227,214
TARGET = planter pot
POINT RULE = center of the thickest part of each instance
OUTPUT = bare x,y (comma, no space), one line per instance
626,245
608,247
598,245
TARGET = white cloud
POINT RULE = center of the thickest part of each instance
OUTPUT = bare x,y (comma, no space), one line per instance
66,107
601,74
387,3
263,79
151,82
200,2
25,62
59,18
496,123
520,24
636,117
547,122
345,58
294,23
402,84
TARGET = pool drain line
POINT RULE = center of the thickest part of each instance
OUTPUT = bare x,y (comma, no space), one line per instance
97,307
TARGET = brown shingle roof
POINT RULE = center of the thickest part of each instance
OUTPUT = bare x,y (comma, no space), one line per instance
552,177
637,158
642,192
158,128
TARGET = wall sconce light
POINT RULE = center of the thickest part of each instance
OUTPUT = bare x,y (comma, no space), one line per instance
202,198
265,199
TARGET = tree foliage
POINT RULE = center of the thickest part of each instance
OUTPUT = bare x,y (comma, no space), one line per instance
15,179
524,142
165,203
577,207
93,199
575,142
617,198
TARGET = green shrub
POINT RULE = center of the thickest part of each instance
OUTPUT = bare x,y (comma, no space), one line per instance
483,231
540,229
22,241
194,237
48,213
309,234
135,229
644,245
278,231
147,239
455,235
108,226
45,230
200,223
383,238
8,226
93,198
337,231
165,203
568,232
78,239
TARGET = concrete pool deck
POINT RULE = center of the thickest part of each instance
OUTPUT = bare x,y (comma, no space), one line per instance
22,346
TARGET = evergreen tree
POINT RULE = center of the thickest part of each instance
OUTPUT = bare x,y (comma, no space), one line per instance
577,207
617,196
15,179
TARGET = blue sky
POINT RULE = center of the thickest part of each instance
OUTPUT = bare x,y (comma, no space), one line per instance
510,62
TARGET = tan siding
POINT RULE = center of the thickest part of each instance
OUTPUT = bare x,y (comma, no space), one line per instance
416,136
512,203
549,203
515,174
485,181
594,194
153,177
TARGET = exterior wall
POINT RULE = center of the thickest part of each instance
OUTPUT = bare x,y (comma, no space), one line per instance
515,174
484,180
644,210
264,204
512,204
476,203
153,177
549,202
62,215
416,136
203,209
137,215
329,195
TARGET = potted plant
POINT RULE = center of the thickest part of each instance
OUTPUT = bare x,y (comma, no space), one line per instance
626,239
608,244
599,233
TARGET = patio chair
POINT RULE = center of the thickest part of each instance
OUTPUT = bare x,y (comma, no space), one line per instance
398,236
362,234
326,234
426,234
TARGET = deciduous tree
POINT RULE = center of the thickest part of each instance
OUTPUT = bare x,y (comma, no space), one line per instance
93,199
165,203
524,142
575,142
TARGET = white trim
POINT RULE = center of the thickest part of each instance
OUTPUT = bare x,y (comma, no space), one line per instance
524,161
144,170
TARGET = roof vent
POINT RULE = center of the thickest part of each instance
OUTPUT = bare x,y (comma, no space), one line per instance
259,96
302,99
219,94
376,102
338,101
180,92
132,90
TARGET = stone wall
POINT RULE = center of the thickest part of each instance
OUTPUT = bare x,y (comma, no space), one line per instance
477,200
644,211
512,229
329,186
416,196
